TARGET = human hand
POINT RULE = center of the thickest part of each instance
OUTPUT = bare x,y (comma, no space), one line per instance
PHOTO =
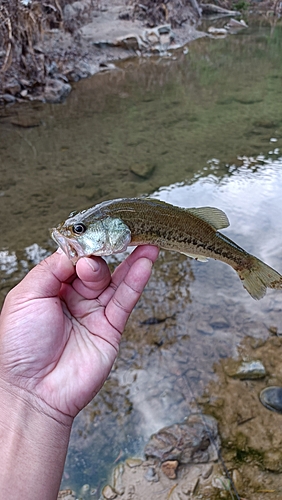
60,328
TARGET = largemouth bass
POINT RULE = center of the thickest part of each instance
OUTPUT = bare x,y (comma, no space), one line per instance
112,226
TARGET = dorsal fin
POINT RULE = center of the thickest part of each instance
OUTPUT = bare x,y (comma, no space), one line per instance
215,217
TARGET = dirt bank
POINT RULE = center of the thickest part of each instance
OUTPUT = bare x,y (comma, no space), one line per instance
45,46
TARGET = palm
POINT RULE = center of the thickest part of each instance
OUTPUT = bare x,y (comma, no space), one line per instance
72,358
67,336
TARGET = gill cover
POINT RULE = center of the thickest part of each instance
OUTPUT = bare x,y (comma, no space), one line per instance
104,237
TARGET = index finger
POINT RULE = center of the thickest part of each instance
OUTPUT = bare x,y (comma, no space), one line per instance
147,251
128,293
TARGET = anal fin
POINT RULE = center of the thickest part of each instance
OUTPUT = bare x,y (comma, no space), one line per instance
200,258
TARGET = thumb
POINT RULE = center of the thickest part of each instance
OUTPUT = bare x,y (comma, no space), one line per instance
45,279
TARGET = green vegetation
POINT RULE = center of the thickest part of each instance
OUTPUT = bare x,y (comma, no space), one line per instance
241,5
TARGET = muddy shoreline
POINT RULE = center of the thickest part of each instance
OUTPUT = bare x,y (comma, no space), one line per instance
67,41
43,50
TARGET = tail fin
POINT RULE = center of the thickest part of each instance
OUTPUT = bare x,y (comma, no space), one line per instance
258,277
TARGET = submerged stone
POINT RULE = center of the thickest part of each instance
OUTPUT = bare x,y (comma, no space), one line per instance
66,495
144,171
109,493
133,462
190,442
245,370
271,398
205,328
118,480
56,90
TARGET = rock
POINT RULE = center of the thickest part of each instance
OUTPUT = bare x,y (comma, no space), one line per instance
204,327
237,480
151,475
273,330
245,370
68,12
117,479
169,468
217,31
12,86
51,68
153,38
219,322
273,460
8,98
256,343
189,442
126,15
85,488
133,462
130,42
159,38
109,493
144,171
271,398
78,6
107,66
56,90
66,495
82,69
26,121
24,82
207,472
221,482
234,23
38,47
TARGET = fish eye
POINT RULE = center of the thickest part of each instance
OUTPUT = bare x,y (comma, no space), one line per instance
79,228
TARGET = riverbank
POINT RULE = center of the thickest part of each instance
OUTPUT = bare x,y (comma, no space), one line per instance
47,46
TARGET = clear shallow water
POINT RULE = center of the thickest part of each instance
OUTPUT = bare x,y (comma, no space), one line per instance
209,124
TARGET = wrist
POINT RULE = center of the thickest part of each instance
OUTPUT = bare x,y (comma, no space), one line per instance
34,441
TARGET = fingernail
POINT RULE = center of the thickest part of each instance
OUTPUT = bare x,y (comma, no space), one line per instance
93,264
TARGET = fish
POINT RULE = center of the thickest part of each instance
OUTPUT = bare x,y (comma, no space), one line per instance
111,226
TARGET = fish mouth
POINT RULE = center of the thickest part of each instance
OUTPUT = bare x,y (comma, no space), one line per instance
72,251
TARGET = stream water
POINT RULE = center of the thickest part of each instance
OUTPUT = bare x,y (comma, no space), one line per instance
207,128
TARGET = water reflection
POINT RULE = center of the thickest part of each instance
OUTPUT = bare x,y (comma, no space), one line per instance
213,139
252,202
